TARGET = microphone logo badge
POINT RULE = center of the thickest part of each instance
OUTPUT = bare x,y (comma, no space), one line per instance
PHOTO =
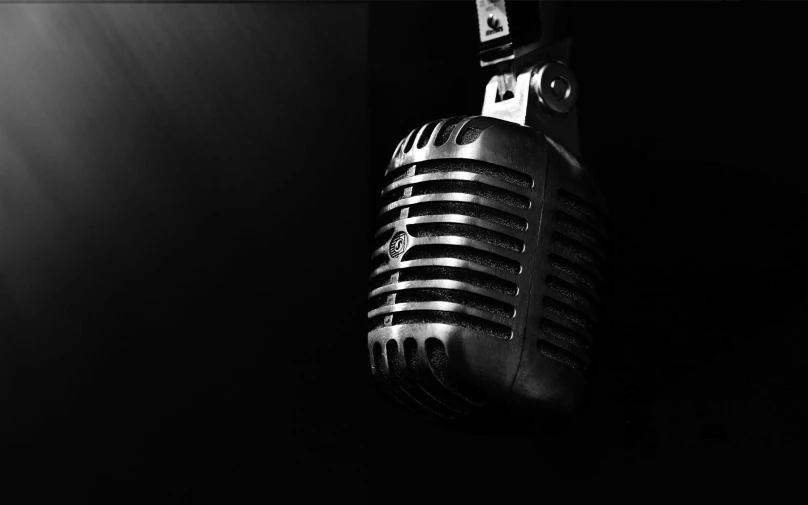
397,244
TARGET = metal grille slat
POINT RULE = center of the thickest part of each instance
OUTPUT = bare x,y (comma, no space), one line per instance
475,228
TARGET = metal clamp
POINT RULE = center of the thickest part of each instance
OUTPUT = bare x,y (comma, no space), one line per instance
535,87
544,97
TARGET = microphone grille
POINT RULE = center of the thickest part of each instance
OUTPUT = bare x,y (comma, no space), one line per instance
575,275
461,224
470,215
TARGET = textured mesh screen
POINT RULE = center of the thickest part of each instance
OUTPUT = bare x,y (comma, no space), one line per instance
469,254
565,312
577,247
410,141
468,209
585,231
469,134
563,333
446,131
578,250
575,271
578,204
558,354
475,167
427,132
570,291
466,231
446,165
479,279
392,359
438,359
472,188
471,300
378,261
454,319
393,196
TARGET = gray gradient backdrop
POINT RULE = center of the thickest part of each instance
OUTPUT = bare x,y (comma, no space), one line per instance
164,174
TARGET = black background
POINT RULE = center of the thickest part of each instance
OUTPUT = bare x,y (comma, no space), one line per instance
183,218
186,209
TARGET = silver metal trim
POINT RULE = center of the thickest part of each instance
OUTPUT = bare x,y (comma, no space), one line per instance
541,84
446,262
452,219
443,307
466,242
458,176
443,284
513,109
456,197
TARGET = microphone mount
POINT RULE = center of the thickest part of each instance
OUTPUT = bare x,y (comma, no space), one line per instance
532,84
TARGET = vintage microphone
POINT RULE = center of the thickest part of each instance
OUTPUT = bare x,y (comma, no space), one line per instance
488,262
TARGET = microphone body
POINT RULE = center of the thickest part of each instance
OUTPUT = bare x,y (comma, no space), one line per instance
487,269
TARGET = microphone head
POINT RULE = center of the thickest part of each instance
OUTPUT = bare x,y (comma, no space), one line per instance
487,270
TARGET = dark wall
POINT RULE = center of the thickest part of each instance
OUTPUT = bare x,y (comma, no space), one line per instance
691,116
182,216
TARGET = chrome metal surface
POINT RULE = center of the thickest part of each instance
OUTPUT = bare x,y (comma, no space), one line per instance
514,109
535,102
555,88
487,294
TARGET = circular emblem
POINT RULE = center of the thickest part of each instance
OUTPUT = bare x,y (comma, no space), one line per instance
397,244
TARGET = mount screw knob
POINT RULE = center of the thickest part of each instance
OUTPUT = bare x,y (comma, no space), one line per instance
555,87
